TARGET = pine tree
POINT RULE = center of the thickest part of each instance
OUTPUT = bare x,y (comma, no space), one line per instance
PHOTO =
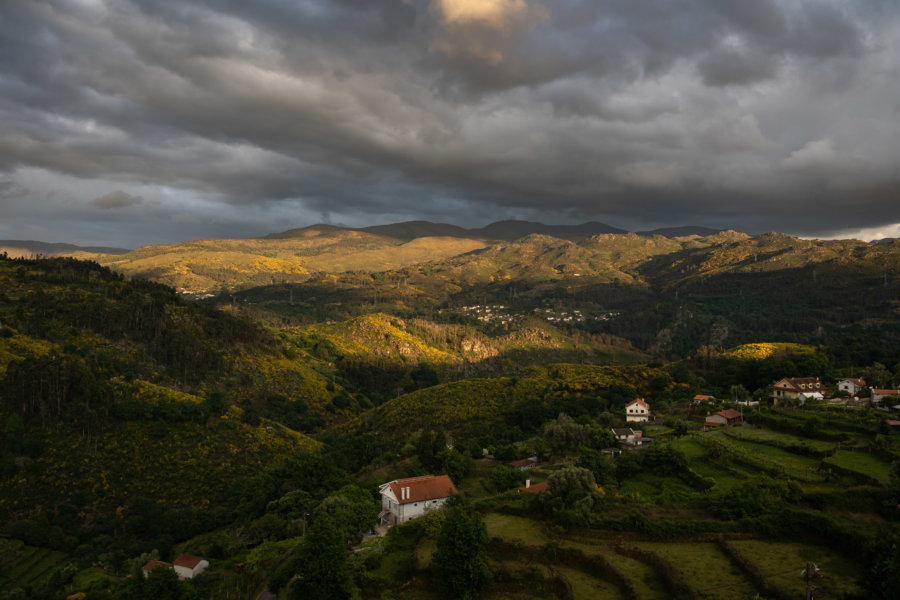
461,566
323,568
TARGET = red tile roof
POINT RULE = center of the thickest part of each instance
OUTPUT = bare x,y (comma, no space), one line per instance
534,488
187,560
729,413
426,487
886,392
702,397
638,401
801,384
858,382
155,563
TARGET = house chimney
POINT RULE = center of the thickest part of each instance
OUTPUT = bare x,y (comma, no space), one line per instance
527,483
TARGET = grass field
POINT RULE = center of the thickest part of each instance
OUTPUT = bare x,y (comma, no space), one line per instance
22,566
704,568
781,563
755,434
799,467
642,576
515,529
862,462
585,587
663,489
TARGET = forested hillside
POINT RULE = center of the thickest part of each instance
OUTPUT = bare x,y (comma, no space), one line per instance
254,428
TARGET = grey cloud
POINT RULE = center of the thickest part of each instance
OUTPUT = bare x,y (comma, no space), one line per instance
586,109
118,199
731,67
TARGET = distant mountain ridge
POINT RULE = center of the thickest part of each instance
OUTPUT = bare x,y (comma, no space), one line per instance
508,230
21,248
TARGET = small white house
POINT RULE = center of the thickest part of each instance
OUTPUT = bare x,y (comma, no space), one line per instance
630,438
637,411
405,499
188,566
851,386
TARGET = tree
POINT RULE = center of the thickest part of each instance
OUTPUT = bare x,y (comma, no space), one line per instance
461,567
739,393
454,464
575,487
564,433
877,375
323,572
504,478
162,584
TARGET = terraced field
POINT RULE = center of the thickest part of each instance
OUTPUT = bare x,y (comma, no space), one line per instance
586,587
777,438
862,463
642,576
781,564
24,566
703,568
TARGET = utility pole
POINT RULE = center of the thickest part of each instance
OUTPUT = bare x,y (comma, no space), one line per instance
809,573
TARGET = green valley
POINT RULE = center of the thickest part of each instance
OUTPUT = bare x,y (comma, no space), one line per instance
254,427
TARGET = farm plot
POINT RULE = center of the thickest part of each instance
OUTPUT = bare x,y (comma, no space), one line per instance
862,462
776,460
663,489
777,438
22,565
641,575
704,568
515,529
781,563
585,587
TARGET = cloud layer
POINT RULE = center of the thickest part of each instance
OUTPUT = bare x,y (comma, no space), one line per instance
228,117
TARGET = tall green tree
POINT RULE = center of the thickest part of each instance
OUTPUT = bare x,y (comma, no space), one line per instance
323,563
461,566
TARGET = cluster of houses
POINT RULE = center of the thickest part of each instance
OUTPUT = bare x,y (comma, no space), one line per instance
810,388
801,389
405,499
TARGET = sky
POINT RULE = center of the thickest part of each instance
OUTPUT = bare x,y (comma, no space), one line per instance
131,122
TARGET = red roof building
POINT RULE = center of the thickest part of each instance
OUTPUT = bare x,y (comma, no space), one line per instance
405,499
188,566
724,417
637,411
148,568
533,488
792,387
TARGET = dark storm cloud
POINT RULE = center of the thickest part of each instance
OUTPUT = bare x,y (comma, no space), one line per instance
765,114
117,199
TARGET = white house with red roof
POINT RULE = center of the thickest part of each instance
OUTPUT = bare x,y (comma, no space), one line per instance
851,386
188,566
879,394
153,564
405,499
637,411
